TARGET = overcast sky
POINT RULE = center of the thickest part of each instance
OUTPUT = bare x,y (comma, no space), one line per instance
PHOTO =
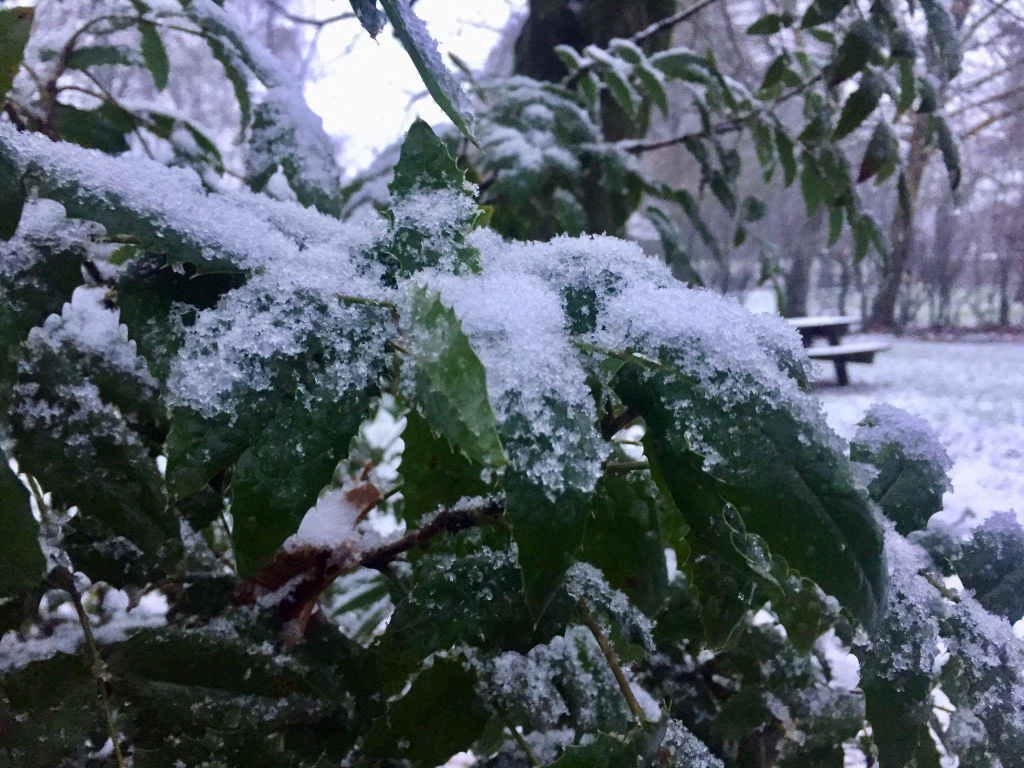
370,92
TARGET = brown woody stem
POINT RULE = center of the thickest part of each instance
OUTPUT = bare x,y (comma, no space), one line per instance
613,661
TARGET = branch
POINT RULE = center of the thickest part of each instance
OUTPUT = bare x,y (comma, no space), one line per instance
990,121
448,519
727,126
613,662
989,100
319,23
644,34
63,578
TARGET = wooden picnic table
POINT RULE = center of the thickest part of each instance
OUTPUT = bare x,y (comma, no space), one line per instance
832,329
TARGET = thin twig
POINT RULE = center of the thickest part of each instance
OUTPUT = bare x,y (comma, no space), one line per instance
523,744
449,519
63,578
627,466
613,661
644,34
364,300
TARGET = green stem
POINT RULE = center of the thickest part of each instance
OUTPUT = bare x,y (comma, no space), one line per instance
66,580
627,466
613,661
523,744
364,300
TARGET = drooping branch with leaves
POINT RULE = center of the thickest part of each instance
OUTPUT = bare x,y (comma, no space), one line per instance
615,528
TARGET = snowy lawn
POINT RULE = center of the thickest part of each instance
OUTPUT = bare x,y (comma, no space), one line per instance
971,393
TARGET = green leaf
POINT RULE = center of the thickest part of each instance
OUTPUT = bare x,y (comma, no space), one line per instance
812,184
422,50
859,47
433,475
754,209
912,466
233,702
15,25
623,538
12,198
668,744
991,564
90,455
86,56
21,560
770,23
155,55
425,166
440,715
286,134
239,82
908,86
569,57
786,155
723,192
290,455
372,18
52,709
882,153
475,599
822,12
939,128
762,135
929,98
104,128
672,247
780,469
861,103
835,225
944,35
448,383
651,83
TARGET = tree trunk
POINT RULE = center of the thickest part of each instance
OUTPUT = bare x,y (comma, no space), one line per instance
798,276
883,309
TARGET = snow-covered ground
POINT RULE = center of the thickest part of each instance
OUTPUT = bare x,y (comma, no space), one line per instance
971,393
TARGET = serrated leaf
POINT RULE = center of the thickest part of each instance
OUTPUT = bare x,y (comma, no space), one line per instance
831,535
371,17
88,454
15,25
859,105
448,382
912,466
422,50
441,714
667,744
286,134
21,560
425,167
623,538
770,23
155,55
433,475
881,154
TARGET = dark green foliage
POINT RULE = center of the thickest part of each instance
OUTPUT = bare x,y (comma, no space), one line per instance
15,24
991,563
21,561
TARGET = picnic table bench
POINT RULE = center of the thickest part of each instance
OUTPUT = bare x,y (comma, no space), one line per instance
833,329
